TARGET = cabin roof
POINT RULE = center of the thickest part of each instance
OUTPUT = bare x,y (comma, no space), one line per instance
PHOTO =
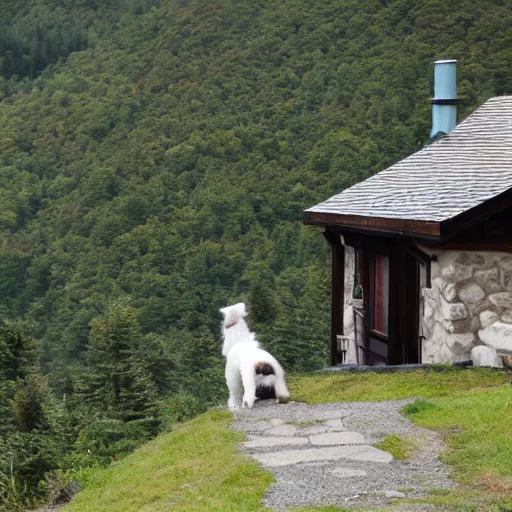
433,187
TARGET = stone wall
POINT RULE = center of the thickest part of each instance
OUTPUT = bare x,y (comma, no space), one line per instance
469,304
348,312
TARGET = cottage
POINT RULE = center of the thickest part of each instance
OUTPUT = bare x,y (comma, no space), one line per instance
422,251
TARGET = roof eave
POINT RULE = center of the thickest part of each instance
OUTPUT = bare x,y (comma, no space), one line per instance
377,225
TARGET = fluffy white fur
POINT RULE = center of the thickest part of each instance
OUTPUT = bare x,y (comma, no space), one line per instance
243,353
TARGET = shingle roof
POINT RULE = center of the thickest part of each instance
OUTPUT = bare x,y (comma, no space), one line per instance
465,168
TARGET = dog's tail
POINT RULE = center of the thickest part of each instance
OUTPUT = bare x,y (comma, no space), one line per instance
272,375
265,380
263,368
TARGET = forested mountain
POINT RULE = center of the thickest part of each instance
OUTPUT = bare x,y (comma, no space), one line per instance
155,158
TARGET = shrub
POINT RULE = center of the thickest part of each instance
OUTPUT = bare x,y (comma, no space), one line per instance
180,407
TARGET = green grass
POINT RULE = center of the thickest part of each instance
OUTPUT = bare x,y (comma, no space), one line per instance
353,387
400,448
463,499
197,468
478,427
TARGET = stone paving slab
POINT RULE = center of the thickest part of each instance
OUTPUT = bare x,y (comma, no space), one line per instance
281,430
268,442
335,424
313,430
358,453
337,438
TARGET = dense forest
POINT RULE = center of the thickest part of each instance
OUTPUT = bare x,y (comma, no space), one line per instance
155,159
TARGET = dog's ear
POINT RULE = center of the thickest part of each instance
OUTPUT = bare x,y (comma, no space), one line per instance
240,309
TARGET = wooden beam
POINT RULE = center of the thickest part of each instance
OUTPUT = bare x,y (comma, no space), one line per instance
395,226
373,243
418,253
472,246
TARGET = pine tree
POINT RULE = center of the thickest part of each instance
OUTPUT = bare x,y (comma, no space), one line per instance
28,403
118,377
262,299
139,393
34,428
18,376
112,339
201,365
18,351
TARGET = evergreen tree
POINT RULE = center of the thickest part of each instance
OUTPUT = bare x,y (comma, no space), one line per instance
262,299
28,403
18,351
201,365
34,429
119,378
139,394
18,363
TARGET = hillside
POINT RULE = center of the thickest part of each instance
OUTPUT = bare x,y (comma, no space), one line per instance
201,466
155,157
197,467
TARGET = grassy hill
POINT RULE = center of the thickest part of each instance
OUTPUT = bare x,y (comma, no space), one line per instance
195,468
198,467
155,157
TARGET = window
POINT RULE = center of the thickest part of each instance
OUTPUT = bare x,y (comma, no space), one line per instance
379,293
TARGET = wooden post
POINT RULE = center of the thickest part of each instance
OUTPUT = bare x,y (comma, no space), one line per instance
397,304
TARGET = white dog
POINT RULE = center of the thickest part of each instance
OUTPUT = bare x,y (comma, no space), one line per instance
248,366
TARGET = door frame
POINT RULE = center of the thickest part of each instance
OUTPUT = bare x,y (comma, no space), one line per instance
367,248
404,301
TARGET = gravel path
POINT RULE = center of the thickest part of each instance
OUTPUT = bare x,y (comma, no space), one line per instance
323,455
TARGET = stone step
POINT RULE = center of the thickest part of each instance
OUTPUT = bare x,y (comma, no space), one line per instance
268,442
364,453
337,438
282,431
335,424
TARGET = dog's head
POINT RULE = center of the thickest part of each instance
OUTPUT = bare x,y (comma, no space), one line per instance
232,314
234,327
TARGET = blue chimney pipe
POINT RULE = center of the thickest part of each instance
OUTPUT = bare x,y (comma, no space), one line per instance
444,103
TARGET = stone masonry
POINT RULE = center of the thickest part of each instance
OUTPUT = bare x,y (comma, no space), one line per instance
469,304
